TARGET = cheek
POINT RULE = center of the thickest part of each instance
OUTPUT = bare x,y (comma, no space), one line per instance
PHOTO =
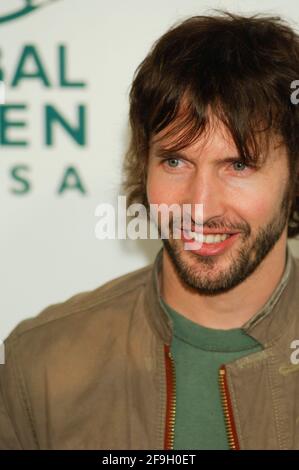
152,187
160,189
255,202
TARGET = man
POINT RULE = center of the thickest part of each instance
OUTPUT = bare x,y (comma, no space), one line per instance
194,351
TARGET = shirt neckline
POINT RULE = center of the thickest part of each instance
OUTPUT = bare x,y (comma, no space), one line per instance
208,339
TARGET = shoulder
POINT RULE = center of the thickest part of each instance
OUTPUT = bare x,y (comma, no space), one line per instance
116,295
61,354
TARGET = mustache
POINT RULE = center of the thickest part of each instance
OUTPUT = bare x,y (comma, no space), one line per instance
224,226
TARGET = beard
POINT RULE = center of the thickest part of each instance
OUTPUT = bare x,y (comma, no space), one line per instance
203,274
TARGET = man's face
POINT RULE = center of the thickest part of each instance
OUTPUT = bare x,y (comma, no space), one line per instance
251,203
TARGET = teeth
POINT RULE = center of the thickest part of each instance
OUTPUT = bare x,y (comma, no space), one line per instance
208,238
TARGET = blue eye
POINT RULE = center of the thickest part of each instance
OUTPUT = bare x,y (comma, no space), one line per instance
239,166
171,160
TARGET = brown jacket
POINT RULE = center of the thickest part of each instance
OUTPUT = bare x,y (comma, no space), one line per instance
94,372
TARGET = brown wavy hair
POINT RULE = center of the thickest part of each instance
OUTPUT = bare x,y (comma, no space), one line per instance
240,68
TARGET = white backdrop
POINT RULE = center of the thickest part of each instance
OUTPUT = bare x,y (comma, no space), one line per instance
48,247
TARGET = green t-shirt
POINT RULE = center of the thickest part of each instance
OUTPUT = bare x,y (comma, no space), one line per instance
198,352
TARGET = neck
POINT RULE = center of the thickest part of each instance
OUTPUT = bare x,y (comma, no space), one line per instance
227,310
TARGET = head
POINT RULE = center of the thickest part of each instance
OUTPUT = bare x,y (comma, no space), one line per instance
212,122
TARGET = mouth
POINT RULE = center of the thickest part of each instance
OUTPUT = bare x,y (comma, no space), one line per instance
208,244
207,238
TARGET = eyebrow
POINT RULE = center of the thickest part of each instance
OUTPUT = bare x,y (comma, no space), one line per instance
161,153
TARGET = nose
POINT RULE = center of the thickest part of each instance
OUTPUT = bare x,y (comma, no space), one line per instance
206,189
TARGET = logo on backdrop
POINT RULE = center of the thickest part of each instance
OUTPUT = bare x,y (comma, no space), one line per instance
32,67
23,7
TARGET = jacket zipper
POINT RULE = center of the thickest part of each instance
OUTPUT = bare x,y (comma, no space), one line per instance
228,411
170,400
171,404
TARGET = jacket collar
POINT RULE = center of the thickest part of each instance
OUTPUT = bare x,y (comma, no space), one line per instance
265,326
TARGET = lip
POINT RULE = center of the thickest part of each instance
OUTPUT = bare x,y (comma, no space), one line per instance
212,231
210,249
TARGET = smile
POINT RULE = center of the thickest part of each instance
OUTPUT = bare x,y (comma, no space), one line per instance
210,238
210,244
